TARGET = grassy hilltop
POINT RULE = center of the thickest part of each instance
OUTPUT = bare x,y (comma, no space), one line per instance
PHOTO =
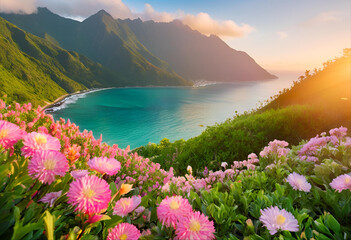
317,102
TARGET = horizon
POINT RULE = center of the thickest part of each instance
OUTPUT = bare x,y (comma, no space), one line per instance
303,38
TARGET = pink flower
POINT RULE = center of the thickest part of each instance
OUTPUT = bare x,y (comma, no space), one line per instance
9,134
342,182
298,182
90,194
126,205
45,165
96,218
140,209
146,232
50,198
79,173
123,231
103,165
171,209
275,147
275,219
166,187
72,153
36,142
195,226
338,132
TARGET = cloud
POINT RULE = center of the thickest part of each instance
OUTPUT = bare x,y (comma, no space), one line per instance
80,9
322,18
18,6
282,35
150,14
207,25
201,22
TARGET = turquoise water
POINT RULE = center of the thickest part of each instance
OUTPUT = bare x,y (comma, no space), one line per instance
137,116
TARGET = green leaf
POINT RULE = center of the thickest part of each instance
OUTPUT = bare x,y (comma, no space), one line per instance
19,231
320,227
333,223
322,237
49,225
113,188
115,219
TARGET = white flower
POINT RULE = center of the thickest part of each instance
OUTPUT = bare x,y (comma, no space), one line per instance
224,165
190,170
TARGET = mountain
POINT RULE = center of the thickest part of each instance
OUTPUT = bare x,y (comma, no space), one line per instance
149,52
194,55
34,69
104,40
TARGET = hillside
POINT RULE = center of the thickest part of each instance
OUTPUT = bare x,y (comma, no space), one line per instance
103,40
316,103
194,55
148,53
83,188
34,69
329,87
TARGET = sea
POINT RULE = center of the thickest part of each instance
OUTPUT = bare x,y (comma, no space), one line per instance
138,116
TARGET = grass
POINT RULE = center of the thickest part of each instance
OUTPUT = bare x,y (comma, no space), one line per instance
316,103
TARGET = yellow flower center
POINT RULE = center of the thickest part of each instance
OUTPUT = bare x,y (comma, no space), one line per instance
280,219
174,205
195,226
299,182
4,133
49,164
123,236
88,193
125,202
347,180
40,139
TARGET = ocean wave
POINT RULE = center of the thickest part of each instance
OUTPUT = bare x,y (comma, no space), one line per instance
203,83
69,100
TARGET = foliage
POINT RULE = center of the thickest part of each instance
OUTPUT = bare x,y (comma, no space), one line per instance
327,87
318,102
37,70
104,40
231,198
238,137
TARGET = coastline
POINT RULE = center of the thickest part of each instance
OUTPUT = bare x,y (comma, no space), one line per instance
57,103
50,107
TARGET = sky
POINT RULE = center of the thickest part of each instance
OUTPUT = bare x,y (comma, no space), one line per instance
281,35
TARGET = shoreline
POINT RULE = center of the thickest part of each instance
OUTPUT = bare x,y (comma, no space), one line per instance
49,108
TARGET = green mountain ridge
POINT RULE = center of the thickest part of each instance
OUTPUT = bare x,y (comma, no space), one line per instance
209,57
34,69
147,52
103,40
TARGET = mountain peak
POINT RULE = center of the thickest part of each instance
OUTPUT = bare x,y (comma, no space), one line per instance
177,22
102,12
100,15
44,10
